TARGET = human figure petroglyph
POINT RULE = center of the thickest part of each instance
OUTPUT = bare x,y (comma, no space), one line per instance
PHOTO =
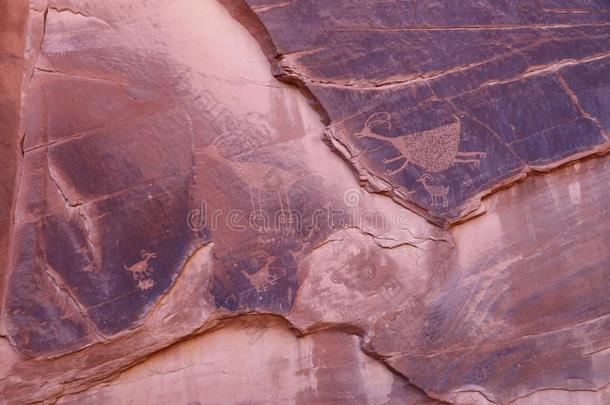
436,192
141,271
434,151
260,177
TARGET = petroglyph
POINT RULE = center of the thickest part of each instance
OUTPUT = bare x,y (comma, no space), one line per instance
238,139
274,180
436,192
263,279
434,151
141,271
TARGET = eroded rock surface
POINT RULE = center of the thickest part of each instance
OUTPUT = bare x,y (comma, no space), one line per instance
13,18
171,188
327,367
438,104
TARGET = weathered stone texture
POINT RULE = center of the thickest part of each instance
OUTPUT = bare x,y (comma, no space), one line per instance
180,232
13,20
438,104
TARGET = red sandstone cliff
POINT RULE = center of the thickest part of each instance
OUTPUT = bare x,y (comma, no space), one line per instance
268,201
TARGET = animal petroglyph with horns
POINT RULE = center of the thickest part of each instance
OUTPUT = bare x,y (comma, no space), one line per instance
436,192
434,150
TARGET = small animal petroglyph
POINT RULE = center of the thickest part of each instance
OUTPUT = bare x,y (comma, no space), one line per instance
434,151
436,192
262,280
141,271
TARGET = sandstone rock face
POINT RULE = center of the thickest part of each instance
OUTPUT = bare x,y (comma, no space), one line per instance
436,104
12,36
180,233
327,367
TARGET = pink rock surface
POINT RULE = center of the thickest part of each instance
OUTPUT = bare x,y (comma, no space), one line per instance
178,230
12,36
